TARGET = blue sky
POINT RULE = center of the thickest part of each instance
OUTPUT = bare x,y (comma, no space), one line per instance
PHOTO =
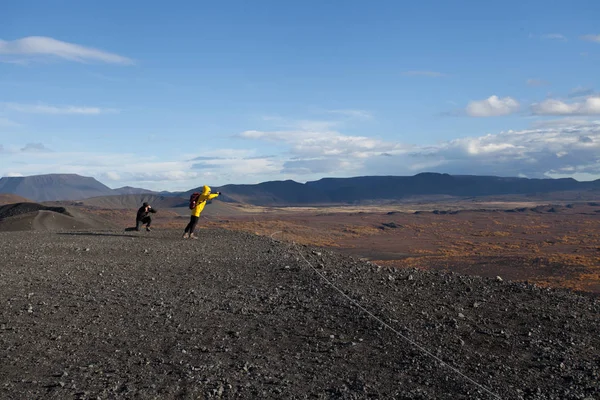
173,96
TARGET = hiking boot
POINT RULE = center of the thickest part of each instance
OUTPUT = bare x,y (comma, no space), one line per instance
148,229
192,236
186,235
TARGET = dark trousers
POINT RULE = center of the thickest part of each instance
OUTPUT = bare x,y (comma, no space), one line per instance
146,220
192,225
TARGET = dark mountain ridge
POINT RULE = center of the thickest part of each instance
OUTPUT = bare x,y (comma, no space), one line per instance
368,188
326,191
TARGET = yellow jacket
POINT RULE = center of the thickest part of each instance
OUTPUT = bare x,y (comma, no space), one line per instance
204,196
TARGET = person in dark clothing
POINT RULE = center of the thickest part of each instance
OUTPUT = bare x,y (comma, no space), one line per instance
143,217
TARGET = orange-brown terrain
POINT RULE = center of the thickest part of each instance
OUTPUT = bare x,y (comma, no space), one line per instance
547,245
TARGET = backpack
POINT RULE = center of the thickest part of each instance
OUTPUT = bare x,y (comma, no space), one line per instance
194,200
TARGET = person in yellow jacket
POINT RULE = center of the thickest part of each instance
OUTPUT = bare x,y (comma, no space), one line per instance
200,203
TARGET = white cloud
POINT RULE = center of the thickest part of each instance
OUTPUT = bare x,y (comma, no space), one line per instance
554,36
534,153
561,147
112,175
34,47
430,74
55,110
493,106
315,147
591,38
590,106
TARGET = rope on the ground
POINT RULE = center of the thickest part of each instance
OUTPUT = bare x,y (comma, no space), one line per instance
412,342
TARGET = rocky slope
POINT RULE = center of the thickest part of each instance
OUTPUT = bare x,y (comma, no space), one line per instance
234,315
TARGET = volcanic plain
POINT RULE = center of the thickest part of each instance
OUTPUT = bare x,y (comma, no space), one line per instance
453,301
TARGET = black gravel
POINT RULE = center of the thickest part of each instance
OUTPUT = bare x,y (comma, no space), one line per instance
113,315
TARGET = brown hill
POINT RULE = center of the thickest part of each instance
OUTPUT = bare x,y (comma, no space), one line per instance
7,198
132,190
37,217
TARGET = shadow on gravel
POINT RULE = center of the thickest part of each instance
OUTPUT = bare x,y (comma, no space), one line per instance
100,234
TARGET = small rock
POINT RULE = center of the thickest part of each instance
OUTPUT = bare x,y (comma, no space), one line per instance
87,249
410,278
461,315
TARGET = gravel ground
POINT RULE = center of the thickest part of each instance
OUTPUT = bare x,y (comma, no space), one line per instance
113,315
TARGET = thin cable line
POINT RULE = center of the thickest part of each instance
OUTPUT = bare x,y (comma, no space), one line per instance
393,329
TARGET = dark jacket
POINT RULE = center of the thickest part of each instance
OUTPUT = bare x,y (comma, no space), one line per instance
143,213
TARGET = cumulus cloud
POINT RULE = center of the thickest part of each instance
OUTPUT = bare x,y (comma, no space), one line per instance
561,147
112,175
324,143
40,47
316,147
429,74
55,110
493,106
590,106
591,38
534,153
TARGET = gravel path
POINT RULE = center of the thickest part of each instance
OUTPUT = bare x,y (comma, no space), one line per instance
233,315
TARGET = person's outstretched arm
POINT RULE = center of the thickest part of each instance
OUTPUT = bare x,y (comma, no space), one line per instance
213,195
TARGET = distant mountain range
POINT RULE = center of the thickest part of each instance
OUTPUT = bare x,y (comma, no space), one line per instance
132,190
288,193
391,188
